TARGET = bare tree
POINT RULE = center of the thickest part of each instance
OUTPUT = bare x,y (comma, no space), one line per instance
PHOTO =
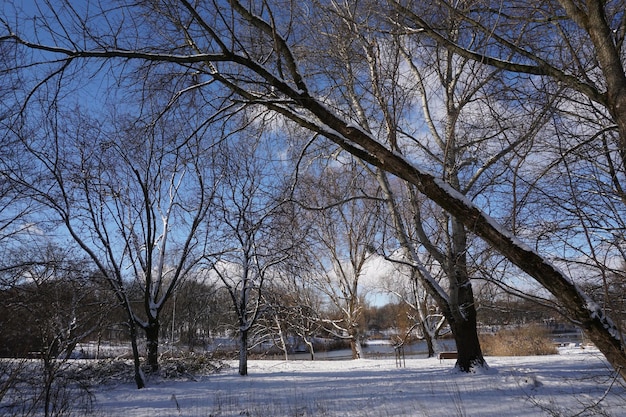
427,321
134,199
252,228
292,304
345,224
303,309
461,137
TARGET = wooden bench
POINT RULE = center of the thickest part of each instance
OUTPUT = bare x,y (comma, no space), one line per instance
447,355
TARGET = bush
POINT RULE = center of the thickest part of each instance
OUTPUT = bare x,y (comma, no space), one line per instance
189,365
521,341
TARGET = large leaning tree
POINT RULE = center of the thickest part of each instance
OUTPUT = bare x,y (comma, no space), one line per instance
268,54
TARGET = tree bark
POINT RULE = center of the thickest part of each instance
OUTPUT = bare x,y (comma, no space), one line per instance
152,344
429,339
139,377
311,348
281,337
463,308
355,346
470,355
243,352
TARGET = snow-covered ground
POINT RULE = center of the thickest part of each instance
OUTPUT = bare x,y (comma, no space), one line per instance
575,382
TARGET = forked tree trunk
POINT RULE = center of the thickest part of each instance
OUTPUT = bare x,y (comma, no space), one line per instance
458,308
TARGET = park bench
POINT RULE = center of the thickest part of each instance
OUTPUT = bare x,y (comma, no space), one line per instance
447,355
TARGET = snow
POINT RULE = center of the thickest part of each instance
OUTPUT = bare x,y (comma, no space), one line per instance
572,382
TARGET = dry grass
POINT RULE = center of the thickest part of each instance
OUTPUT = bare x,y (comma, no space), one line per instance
522,341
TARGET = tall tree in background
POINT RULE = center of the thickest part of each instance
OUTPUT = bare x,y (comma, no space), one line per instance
346,221
269,54
293,313
409,284
293,303
198,312
252,226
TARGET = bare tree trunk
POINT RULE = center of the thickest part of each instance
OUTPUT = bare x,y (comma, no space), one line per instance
48,379
421,306
139,377
355,345
191,338
429,339
462,305
152,344
468,347
311,348
281,337
243,352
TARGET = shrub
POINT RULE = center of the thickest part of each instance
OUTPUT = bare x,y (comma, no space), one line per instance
522,341
189,365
